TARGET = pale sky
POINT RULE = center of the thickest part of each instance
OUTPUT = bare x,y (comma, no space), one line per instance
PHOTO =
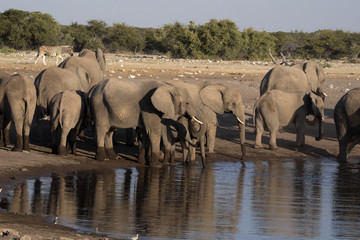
268,15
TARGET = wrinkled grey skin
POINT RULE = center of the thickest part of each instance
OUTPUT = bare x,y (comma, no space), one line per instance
347,122
75,73
17,104
276,109
212,99
94,64
197,134
117,103
54,80
68,110
306,77
220,99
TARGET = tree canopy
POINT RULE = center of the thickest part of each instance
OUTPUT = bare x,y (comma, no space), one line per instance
218,39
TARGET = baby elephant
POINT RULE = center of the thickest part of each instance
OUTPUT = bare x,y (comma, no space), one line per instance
68,110
277,109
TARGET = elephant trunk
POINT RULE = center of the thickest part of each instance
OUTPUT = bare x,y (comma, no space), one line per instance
242,138
321,130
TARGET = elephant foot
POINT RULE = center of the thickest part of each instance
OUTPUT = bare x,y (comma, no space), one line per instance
17,148
101,155
142,156
341,159
273,148
156,164
111,153
257,146
62,151
26,146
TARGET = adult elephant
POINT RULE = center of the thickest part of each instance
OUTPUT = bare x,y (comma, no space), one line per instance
75,73
17,104
306,77
347,122
94,63
213,99
117,103
54,80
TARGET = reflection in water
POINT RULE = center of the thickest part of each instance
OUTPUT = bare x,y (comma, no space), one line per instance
266,199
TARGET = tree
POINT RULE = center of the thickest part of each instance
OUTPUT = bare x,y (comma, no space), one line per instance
256,44
220,39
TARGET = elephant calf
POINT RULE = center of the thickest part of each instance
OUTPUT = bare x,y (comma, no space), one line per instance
68,110
276,109
347,122
187,132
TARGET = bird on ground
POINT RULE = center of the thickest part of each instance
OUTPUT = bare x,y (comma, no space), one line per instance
136,237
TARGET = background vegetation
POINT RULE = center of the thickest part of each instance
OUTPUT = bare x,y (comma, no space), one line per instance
217,39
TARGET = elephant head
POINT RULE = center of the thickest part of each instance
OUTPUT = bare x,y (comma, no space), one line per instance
223,99
316,76
174,102
317,109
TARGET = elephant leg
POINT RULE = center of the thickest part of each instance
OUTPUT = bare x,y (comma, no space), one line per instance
155,149
54,141
300,133
272,142
7,125
259,133
100,141
351,144
18,123
172,155
62,150
202,150
143,142
211,135
26,141
109,148
72,140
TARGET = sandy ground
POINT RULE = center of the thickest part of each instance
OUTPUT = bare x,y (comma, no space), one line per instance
246,76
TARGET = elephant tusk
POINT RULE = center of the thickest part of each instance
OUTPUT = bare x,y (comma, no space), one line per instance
239,120
325,94
46,118
322,118
197,120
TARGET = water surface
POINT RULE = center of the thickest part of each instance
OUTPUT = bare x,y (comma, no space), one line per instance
284,199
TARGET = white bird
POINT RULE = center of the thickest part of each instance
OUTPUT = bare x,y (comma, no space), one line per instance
136,237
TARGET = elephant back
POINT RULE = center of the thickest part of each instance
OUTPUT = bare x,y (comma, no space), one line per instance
285,78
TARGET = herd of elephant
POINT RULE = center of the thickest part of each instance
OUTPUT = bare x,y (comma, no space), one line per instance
75,94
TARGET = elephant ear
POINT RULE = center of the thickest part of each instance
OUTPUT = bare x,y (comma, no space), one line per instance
316,104
311,70
101,59
212,96
162,100
85,80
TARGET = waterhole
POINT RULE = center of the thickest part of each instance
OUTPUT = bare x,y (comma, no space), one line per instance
284,199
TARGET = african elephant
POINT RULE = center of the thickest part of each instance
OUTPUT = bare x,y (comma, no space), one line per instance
276,109
306,77
54,80
17,104
347,122
187,132
117,103
94,64
212,99
68,110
